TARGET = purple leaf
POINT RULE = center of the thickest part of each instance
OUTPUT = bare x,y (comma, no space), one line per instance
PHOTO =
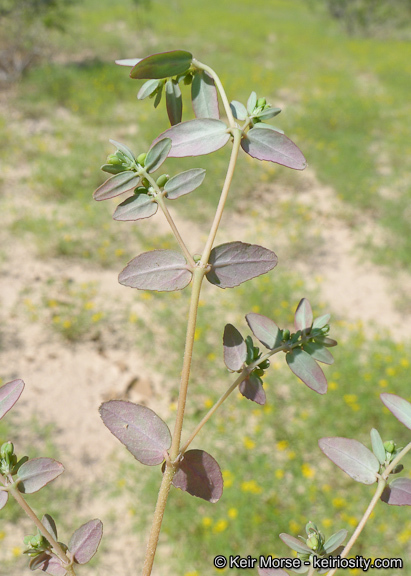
252,389
116,185
318,352
174,102
335,540
398,492
196,137
161,270
271,572
49,525
352,457
36,473
9,394
307,370
303,318
239,110
274,147
236,262
200,475
184,183
48,564
399,407
204,96
85,541
235,349
147,89
162,65
136,207
295,544
131,62
4,496
265,330
157,154
142,432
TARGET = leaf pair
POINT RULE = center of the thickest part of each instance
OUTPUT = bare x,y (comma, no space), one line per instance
148,438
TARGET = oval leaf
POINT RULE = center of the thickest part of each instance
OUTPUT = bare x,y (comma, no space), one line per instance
268,113
399,407
398,493
378,446
131,62
116,185
162,65
237,262
204,96
196,137
174,102
303,318
251,102
49,525
184,183
124,149
318,352
335,540
265,330
161,270
85,541
36,473
239,110
48,564
352,457
325,341
157,154
295,544
321,321
235,349
135,208
9,394
4,496
252,389
200,475
307,370
274,147
142,432
147,89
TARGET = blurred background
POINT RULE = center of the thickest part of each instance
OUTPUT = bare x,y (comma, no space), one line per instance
340,70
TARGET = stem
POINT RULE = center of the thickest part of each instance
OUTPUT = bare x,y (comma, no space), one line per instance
363,521
56,546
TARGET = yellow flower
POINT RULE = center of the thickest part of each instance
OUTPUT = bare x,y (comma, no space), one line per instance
228,478
206,521
338,502
248,443
233,513
327,522
279,474
220,526
251,486
208,402
282,445
307,471
404,362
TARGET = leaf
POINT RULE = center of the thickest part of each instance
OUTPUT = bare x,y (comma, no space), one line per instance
236,262
268,113
116,185
271,572
251,102
124,149
252,389
352,457
4,496
265,330
162,65
318,352
161,270
147,89
235,349
399,407
136,207
204,96
48,564
378,446
274,147
36,473
398,492
9,394
307,370
324,341
200,475
196,137
335,540
184,183
128,62
142,432
239,110
49,525
174,102
295,544
157,154
85,541
321,321
269,127
303,318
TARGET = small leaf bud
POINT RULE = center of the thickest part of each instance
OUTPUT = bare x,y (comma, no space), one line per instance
389,446
141,158
162,180
114,159
313,541
261,102
146,183
140,190
7,450
196,257
188,78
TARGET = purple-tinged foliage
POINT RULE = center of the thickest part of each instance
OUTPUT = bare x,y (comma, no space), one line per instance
235,349
318,352
252,389
9,394
36,473
399,407
303,317
274,147
398,492
204,96
4,496
295,544
136,207
265,330
239,110
352,457
199,475
236,262
85,541
157,154
335,541
50,525
307,370
160,270
184,183
117,185
48,564
196,137
142,432
162,65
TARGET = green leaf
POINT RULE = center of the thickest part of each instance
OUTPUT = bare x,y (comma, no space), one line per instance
174,102
147,89
295,544
321,321
196,137
307,370
136,207
378,446
335,540
204,96
318,352
117,185
251,102
124,149
162,65
268,113
184,183
239,111
157,154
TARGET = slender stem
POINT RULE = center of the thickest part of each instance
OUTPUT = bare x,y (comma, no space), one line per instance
311,571
56,546
394,463
363,521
